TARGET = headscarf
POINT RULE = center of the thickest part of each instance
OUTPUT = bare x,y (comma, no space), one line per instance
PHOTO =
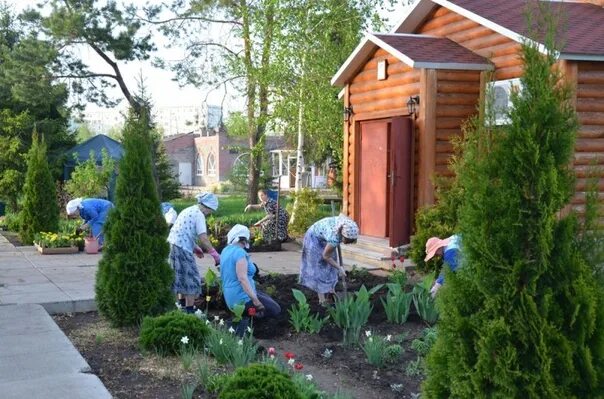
208,200
73,205
236,233
349,227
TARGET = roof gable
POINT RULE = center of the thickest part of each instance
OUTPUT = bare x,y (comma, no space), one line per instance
582,32
97,144
416,51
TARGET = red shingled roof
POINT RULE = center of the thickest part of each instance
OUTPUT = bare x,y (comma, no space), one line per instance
422,48
581,25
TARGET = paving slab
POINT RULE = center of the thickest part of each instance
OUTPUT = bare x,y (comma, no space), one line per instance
37,359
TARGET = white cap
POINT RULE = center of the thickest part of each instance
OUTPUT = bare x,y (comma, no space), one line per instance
171,216
73,205
208,200
236,232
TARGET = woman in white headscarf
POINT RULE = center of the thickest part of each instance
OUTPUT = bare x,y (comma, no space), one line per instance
189,229
319,269
237,274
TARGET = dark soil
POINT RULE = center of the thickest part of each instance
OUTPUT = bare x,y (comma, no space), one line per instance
118,364
12,237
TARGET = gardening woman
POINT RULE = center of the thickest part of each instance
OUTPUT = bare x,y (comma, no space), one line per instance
237,275
448,248
93,211
274,224
189,227
319,269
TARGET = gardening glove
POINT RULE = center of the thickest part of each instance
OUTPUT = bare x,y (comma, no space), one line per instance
214,254
198,252
435,289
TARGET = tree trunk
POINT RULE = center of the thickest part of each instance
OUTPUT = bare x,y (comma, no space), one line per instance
257,141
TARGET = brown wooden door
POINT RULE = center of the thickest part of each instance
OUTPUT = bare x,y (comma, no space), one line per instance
373,182
401,181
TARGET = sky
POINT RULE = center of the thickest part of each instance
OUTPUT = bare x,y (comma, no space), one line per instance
164,91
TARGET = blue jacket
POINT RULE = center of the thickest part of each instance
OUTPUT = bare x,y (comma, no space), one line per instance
451,257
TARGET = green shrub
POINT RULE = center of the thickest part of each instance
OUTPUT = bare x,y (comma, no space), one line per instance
304,211
260,381
12,221
393,353
524,316
423,344
134,278
438,220
88,180
163,333
40,210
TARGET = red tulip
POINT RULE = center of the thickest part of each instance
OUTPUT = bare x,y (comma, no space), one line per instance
271,351
298,366
401,259
289,355
251,312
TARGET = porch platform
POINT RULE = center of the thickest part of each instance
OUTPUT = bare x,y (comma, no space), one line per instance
371,253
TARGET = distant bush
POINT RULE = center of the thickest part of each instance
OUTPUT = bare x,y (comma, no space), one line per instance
163,333
304,211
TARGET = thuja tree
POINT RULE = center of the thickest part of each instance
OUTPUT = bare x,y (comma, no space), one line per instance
134,278
523,317
40,211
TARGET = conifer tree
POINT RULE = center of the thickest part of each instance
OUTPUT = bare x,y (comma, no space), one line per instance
40,211
523,316
134,278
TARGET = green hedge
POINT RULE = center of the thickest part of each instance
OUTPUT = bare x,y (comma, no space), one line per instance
163,333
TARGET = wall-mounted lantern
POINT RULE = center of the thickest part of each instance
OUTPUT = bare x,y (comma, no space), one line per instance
412,104
347,113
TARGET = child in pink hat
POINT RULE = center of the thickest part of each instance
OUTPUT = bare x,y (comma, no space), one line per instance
449,249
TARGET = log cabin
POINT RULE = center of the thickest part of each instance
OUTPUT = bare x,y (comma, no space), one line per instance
407,93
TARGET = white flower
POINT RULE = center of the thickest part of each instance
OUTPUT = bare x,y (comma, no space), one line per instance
308,377
249,329
272,356
368,333
231,330
291,361
207,322
221,323
388,337
199,313
216,318
220,342
327,353
184,340
240,342
370,339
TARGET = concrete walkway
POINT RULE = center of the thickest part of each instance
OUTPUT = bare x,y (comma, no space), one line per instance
65,283
36,358
38,361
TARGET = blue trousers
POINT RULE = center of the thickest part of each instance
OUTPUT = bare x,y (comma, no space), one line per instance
271,309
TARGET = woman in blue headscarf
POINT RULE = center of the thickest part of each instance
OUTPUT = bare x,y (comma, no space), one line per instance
93,211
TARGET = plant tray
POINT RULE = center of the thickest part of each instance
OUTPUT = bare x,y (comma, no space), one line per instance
57,251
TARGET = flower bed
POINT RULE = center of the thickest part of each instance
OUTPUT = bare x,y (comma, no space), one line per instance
57,243
388,363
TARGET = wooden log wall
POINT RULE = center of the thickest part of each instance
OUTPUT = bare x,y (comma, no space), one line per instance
374,99
502,51
458,95
589,148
